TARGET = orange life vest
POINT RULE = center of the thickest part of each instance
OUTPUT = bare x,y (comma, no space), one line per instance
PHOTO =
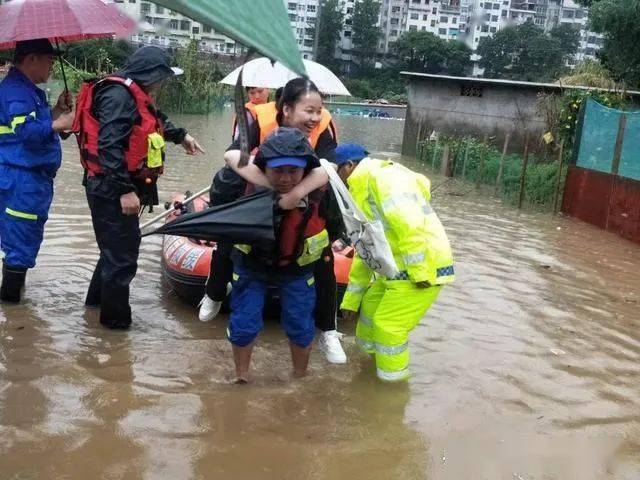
252,110
144,155
267,113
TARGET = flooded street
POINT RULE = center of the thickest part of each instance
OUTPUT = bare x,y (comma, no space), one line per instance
527,368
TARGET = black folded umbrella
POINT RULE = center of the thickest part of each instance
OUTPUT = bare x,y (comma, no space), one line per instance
247,220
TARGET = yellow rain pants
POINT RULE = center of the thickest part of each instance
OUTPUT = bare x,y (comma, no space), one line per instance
390,310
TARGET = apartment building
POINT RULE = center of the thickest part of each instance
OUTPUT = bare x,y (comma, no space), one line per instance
303,16
590,42
166,28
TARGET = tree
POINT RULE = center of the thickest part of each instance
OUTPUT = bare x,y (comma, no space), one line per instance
619,22
365,33
569,37
102,55
526,52
329,33
458,58
421,51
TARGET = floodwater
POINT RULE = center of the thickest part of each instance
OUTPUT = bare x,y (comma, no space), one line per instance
527,368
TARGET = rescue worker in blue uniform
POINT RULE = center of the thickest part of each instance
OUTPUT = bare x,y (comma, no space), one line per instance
30,156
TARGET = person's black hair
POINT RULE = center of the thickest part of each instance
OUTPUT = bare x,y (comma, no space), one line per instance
18,58
292,92
278,94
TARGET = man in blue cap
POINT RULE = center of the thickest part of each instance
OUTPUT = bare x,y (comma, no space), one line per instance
389,308
283,160
30,156
347,156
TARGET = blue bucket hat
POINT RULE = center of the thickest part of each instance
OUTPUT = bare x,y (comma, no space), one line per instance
349,152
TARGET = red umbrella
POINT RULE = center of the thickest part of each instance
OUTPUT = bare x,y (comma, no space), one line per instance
60,20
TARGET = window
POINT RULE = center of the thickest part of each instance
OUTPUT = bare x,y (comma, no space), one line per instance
413,28
494,18
300,19
444,19
567,14
442,31
433,23
485,28
195,30
145,7
159,9
415,1
394,33
207,29
504,14
185,25
308,43
423,28
292,17
470,90
395,9
394,21
173,24
132,1
454,20
415,16
348,21
580,14
424,17
349,11
347,34
496,6
434,11
493,29
311,8
292,6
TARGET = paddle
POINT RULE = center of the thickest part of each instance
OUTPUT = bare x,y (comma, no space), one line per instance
173,208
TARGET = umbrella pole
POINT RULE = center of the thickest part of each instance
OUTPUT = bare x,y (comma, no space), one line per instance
172,209
64,77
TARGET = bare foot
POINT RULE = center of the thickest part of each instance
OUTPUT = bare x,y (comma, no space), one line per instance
241,381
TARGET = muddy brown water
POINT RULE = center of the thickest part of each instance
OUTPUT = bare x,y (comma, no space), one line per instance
528,368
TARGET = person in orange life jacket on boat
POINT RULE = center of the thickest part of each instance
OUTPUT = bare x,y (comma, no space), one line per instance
287,264
299,106
257,96
122,141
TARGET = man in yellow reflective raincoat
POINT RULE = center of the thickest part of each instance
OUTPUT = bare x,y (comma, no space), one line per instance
390,308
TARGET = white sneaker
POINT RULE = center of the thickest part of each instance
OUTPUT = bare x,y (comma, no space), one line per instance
329,343
208,309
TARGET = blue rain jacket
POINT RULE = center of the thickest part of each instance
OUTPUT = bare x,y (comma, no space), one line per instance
30,155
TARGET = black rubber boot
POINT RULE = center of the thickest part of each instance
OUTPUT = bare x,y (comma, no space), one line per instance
94,294
12,283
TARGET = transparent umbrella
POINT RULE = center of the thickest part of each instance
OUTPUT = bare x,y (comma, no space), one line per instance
261,72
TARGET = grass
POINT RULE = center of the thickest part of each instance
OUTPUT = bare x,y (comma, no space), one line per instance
540,180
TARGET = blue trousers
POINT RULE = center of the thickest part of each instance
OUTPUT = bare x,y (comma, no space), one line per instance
297,301
25,198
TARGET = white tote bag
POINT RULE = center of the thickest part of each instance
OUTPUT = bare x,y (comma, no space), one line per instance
366,236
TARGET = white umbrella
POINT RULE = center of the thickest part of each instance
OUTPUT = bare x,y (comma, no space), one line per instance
260,72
